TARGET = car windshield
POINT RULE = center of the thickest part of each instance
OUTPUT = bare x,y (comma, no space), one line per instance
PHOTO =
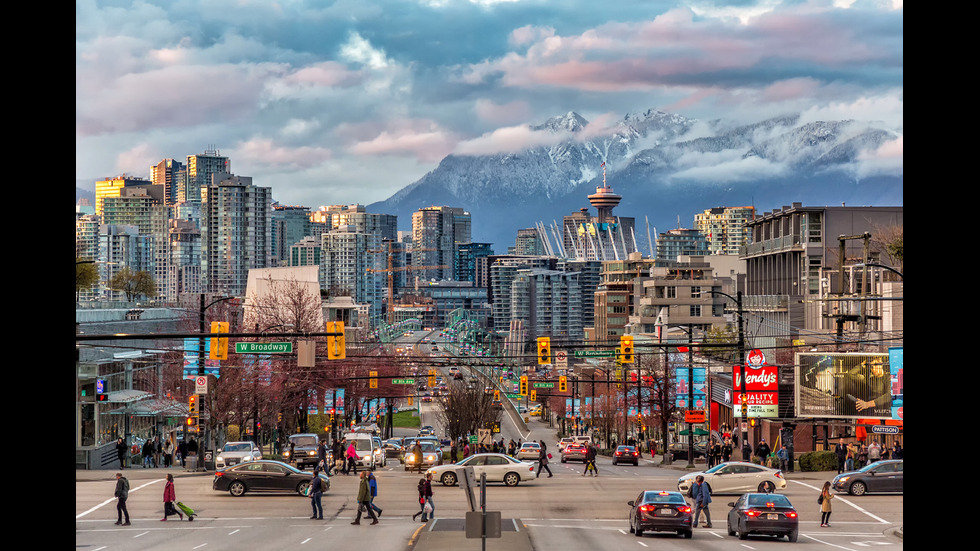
303,440
363,444
716,468
237,447
657,497
768,500
429,446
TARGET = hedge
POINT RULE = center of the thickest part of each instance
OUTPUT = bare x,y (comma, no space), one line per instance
824,460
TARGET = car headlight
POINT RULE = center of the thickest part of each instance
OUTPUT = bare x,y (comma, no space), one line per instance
842,479
285,454
430,458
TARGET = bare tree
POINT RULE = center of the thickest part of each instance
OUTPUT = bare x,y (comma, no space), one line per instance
464,410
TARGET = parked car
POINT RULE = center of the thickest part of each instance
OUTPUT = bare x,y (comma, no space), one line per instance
660,511
529,450
769,514
574,452
880,476
736,477
233,453
497,466
264,475
393,449
626,454
678,450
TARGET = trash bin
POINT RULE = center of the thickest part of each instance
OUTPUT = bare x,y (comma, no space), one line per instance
190,463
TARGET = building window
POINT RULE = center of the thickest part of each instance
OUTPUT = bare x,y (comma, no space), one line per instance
695,310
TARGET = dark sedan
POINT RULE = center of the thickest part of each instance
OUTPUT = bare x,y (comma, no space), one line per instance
626,454
678,450
767,514
264,476
660,511
880,476
574,452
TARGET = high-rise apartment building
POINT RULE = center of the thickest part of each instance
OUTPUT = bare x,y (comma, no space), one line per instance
548,302
350,264
172,175
200,170
503,270
112,187
436,234
236,234
471,261
142,207
724,228
681,241
185,258
290,224
613,299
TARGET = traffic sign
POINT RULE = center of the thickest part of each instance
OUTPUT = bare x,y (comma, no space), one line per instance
594,353
694,416
201,384
263,348
543,385
561,359
403,381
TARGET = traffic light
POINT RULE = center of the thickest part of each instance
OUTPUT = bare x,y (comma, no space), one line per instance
523,385
192,424
336,344
496,395
626,349
544,350
432,377
534,395
562,384
192,406
219,345
373,382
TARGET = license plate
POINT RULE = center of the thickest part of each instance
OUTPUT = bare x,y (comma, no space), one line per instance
773,516
665,512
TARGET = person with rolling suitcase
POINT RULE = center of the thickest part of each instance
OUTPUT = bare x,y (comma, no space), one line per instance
169,499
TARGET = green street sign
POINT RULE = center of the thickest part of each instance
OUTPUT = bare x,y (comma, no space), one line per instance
594,353
514,396
543,385
403,381
263,348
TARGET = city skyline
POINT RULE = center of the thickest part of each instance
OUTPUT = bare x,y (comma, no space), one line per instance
352,102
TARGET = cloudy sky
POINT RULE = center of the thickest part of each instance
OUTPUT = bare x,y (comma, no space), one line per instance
348,101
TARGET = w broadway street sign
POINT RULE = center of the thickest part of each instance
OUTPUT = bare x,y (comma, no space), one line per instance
594,353
263,348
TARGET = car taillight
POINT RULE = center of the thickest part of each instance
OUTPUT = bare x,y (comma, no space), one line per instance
779,474
791,514
752,513
647,508
636,453
684,508
218,473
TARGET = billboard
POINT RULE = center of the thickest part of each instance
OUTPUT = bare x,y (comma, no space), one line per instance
761,390
846,385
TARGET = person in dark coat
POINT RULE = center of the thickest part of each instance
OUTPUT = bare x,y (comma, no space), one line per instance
182,451
702,498
121,494
316,495
121,450
543,461
364,500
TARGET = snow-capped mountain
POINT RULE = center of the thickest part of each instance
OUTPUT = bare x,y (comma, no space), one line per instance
664,165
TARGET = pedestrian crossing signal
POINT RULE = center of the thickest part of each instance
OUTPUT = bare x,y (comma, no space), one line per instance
544,350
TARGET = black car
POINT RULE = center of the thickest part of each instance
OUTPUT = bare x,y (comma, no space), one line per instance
626,454
768,514
880,476
660,511
678,450
264,476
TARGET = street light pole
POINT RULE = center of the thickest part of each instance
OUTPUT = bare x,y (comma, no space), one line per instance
746,449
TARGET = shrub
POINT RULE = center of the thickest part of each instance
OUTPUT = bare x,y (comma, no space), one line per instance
824,460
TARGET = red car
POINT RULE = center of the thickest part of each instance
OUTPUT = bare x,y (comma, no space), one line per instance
626,454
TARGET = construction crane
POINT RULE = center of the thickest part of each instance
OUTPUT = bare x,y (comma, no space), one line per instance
391,276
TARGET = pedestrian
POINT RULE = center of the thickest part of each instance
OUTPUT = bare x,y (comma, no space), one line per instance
373,484
429,506
590,455
726,450
512,448
862,456
849,458
316,495
321,452
783,455
182,452
762,451
157,451
543,460
840,450
702,498
340,464
121,494
417,453
421,489
121,450
170,499
351,458
453,453
874,451
168,453
192,448
364,499
897,452
715,453
466,450
825,508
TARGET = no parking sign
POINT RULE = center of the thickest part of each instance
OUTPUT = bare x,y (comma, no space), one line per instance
201,384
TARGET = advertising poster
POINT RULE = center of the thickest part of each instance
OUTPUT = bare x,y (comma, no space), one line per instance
190,359
761,390
846,385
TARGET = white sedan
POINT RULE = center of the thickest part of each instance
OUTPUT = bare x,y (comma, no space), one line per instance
233,453
497,466
736,477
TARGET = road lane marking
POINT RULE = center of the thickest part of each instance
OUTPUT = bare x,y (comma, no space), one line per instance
842,500
108,501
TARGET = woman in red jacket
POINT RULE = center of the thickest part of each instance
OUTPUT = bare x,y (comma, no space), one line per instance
170,499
